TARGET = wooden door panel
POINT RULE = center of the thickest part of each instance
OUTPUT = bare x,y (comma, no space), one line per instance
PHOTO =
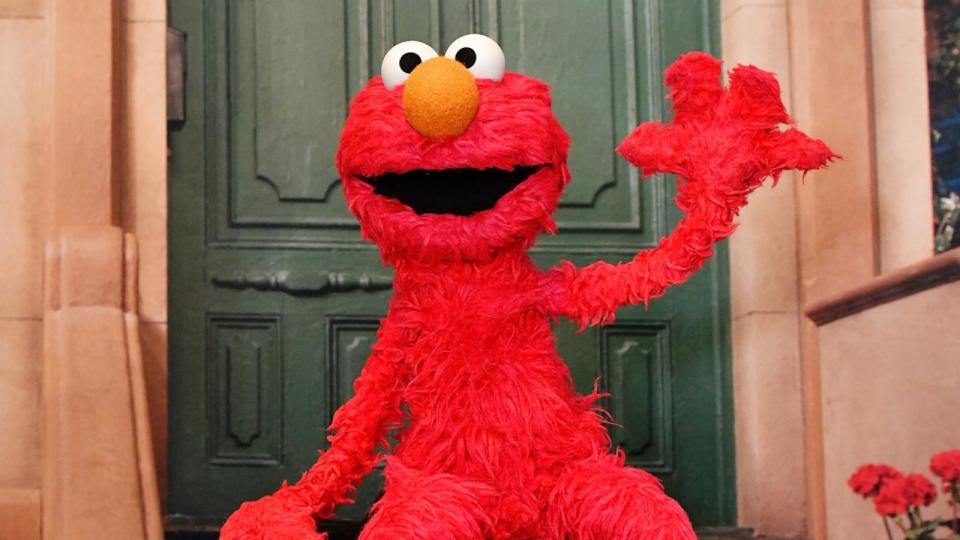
274,115
636,374
297,68
586,52
245,387
275,299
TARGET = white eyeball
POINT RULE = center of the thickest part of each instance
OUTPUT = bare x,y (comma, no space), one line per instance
401,59
482,56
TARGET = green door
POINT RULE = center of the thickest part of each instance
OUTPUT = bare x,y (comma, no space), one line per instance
275,300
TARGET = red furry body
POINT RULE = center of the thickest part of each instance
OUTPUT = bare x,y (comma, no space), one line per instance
495,443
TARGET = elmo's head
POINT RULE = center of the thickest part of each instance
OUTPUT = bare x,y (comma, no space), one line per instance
449,158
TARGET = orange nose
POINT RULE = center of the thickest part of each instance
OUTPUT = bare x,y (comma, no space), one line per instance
440,98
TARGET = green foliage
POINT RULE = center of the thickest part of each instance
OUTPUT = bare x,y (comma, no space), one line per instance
948,217
924,530
943,56
943,73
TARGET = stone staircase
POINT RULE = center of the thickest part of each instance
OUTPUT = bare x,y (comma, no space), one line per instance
727,533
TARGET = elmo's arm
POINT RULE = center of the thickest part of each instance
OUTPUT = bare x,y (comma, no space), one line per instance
359,426
722,144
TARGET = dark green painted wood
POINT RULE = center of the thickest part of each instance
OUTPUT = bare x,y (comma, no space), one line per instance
274,300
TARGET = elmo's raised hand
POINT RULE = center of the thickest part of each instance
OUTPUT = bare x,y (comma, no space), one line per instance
723,143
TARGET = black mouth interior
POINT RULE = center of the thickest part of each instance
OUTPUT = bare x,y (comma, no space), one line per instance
460,192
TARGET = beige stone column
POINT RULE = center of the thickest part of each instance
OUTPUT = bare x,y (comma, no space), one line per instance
85,89
794,249
838,244
902,117
98,473
763,280
143,180
91,484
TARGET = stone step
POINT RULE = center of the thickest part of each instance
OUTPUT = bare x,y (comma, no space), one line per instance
341,532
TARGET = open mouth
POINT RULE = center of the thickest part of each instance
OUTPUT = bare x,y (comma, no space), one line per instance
460,192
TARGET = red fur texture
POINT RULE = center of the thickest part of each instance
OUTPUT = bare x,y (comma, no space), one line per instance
495,443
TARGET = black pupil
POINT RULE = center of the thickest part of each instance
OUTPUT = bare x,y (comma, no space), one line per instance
409,61
466,56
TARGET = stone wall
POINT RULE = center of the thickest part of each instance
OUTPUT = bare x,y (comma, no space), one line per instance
24,115
27,120
852,73
891,394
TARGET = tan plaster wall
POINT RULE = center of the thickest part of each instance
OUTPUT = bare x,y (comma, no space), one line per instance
22,9
891,394
24,145
26,67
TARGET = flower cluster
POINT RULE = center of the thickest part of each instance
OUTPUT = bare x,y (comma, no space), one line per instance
897,495
868,479
946,465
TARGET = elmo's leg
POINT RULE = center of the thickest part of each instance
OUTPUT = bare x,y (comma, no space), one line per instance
422,506
600,499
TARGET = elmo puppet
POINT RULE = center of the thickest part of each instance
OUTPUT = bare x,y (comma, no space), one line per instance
453,166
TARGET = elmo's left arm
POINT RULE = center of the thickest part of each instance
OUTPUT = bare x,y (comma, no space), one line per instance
723,143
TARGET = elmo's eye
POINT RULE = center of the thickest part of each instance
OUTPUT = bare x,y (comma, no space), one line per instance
401,59
480,54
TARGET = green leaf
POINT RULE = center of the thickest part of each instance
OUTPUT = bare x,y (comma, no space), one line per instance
924,531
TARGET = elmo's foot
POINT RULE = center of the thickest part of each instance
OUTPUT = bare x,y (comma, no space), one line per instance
422,506
600,499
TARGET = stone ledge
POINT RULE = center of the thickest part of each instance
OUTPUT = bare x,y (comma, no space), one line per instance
907,281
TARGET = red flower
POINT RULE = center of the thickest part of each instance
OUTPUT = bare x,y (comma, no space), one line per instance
896,494
918,491
946,465
890,500
869,479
